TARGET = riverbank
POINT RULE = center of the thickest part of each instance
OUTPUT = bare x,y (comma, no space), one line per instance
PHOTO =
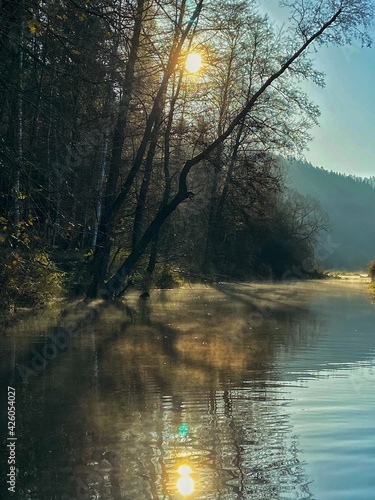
20,312
344,275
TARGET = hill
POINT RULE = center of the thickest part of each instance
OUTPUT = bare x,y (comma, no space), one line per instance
349,202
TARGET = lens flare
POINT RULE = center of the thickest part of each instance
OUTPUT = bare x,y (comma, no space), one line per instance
183,430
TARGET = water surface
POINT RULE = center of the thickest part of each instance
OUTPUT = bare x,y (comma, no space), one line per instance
265,391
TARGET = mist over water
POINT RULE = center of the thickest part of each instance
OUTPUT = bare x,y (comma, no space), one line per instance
264,391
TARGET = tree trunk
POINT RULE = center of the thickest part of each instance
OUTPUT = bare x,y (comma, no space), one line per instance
19,121
213,201
212,210
167,176
103,168
116,283
141,205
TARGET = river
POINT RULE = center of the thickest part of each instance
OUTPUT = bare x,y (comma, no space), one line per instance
259,391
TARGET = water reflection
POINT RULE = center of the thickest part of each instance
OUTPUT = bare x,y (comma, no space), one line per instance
201,378
185,484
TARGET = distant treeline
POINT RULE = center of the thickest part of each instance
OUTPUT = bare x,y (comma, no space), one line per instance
349,201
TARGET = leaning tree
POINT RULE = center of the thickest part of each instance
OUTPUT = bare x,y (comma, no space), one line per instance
312,23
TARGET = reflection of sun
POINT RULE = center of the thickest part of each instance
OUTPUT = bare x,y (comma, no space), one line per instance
184,470
185,485
193,62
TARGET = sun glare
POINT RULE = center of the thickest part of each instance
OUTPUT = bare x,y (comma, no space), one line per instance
185,484
184,470
193,62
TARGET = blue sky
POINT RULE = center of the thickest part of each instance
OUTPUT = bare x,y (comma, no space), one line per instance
345,140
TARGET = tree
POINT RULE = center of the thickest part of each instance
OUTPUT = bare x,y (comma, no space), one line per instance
103,248
314,23
105,135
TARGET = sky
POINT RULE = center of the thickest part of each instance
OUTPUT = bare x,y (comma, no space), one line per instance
345,140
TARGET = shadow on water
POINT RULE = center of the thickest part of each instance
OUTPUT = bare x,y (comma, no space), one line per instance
187,377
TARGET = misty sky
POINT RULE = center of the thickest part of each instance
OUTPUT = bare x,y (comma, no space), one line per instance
345,140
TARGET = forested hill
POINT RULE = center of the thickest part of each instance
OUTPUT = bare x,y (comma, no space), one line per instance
350,204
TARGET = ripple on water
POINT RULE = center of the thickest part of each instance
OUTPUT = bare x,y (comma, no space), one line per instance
277,408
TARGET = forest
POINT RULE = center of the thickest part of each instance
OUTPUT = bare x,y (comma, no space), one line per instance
347,200
121,163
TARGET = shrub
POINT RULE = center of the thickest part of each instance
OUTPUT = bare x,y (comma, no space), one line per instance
27,280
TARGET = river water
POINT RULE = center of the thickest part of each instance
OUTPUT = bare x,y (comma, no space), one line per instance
260,391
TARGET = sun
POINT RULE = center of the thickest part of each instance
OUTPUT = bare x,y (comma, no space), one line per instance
193,62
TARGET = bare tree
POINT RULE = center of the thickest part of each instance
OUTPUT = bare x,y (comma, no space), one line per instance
331,22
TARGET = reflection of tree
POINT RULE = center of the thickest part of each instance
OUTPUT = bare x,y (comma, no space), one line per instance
111,406
235,429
